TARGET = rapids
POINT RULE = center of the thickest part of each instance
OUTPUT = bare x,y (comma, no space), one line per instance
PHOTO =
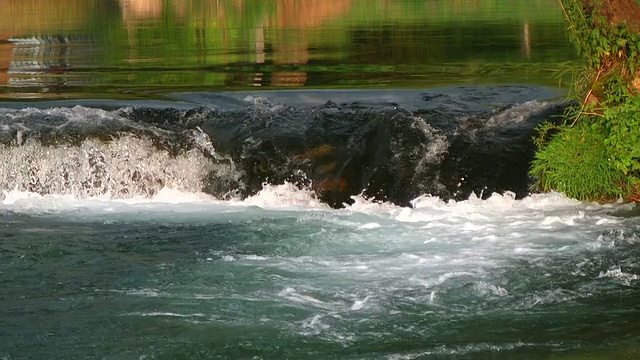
278,274
390,146
293,225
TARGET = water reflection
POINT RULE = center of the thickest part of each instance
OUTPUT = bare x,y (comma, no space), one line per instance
526,40
6,53
302,15
141,47
45,61
33,51
136,10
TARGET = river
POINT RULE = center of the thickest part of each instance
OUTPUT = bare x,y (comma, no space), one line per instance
292,179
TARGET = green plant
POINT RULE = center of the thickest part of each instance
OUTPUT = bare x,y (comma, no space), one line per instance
574,161
621,122
595,154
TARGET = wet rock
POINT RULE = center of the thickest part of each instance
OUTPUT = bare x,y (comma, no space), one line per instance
388,153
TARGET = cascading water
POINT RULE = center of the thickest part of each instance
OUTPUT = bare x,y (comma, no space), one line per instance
121,168
388,152
91,153
270,231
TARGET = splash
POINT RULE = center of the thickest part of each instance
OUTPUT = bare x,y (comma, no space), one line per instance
285,196
125,167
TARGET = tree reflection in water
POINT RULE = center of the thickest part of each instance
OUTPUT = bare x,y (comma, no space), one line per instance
161,45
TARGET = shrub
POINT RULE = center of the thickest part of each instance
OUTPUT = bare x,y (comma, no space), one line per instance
575,161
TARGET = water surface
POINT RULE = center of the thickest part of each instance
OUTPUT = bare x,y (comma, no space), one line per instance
110,249
281,276
144,48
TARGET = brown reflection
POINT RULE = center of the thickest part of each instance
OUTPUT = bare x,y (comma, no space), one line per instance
300,15
135,12
5,60
288,78
140,9
43,62
282,34
42,16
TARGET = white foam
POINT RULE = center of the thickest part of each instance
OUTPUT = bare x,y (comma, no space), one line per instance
554,296
11,197
491,289
124,168
376,258
432,209
167,314
618,274
252,257
500,219
359,304
24,201
292,295
314,325
169,195
284,196
136,292
364,205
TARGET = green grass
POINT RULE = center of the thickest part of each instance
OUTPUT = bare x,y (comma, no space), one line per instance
576,162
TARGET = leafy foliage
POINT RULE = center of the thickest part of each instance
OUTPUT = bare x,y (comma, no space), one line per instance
600,42
575,162
595,154
621,122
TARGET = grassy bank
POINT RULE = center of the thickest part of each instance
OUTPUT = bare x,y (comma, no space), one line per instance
595,153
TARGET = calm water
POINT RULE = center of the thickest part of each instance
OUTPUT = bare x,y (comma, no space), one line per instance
110,247
142,48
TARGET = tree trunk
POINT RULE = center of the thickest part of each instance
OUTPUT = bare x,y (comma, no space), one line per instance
616,11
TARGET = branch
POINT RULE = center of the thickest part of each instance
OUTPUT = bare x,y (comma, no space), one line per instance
566,15
586,98
591,113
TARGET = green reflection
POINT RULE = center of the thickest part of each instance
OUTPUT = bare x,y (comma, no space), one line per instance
142,48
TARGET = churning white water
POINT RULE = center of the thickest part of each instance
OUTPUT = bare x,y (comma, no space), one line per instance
376,247
110,247
281,270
